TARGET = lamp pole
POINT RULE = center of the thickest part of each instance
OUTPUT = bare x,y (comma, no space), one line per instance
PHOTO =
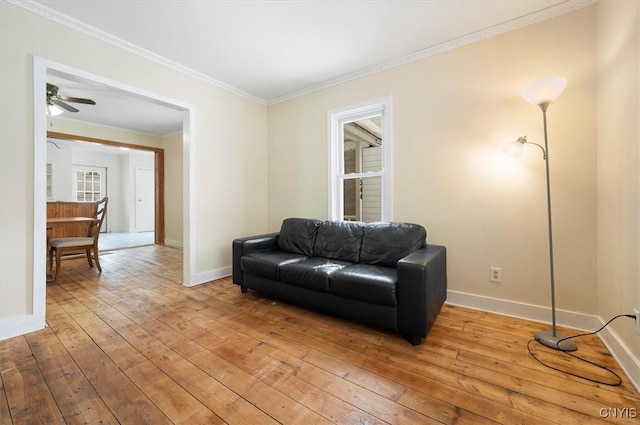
544,107
551,339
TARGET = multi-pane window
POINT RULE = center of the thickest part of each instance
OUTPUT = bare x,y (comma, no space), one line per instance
362,168
360,163
88,186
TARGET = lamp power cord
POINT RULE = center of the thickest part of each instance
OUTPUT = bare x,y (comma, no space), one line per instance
618,379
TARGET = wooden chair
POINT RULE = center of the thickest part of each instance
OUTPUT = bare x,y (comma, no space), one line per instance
80,245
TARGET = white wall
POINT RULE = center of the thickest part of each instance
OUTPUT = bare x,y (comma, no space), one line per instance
173,170
618,165
61,161
229,171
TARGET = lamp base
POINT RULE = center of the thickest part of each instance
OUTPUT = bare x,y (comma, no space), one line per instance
550,340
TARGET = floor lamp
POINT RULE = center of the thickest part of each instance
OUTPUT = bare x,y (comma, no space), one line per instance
542,93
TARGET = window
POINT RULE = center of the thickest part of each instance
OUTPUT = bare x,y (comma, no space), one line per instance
359,162
90,183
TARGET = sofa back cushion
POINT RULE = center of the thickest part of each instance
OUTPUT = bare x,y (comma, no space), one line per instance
298,235
340,240
384,244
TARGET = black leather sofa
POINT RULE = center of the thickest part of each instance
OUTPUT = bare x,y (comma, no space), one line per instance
381,274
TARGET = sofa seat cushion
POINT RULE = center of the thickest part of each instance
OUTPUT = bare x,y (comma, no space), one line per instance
313,273
366,282
267,263
384,244
339,240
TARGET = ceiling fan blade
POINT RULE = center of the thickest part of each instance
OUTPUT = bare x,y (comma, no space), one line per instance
77,100
64,105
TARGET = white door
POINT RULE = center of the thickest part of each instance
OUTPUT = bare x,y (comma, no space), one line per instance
145,202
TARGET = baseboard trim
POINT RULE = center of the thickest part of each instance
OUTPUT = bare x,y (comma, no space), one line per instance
629,362
208,276
533,312
21,325
174,243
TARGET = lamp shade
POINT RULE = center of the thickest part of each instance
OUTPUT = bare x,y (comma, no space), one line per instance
544,91
514,148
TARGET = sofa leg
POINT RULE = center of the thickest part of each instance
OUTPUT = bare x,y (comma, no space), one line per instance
414,340
243,289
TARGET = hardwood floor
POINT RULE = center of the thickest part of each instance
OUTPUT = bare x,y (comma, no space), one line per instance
134,346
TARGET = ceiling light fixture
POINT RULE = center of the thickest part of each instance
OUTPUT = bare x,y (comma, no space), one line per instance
54,110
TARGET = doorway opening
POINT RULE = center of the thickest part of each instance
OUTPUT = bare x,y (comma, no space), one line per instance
141,204
41,69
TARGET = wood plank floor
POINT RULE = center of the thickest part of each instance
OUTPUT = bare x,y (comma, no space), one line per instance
134,346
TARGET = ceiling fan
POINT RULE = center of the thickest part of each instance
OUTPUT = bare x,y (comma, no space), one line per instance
54,99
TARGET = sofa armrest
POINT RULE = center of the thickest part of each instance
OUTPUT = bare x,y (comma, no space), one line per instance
247,245
422,289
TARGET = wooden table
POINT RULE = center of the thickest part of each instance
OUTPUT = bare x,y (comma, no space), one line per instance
69,221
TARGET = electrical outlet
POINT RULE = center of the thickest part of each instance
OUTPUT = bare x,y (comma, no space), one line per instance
495,274
636,325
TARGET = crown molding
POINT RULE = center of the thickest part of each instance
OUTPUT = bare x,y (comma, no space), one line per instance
53,15
548,13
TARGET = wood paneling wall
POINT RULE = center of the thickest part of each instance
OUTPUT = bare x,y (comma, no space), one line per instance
69,209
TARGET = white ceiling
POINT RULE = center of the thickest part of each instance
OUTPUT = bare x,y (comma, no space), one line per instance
274,50
116,108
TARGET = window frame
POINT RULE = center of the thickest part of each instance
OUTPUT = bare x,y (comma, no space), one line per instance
100,170
336,119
